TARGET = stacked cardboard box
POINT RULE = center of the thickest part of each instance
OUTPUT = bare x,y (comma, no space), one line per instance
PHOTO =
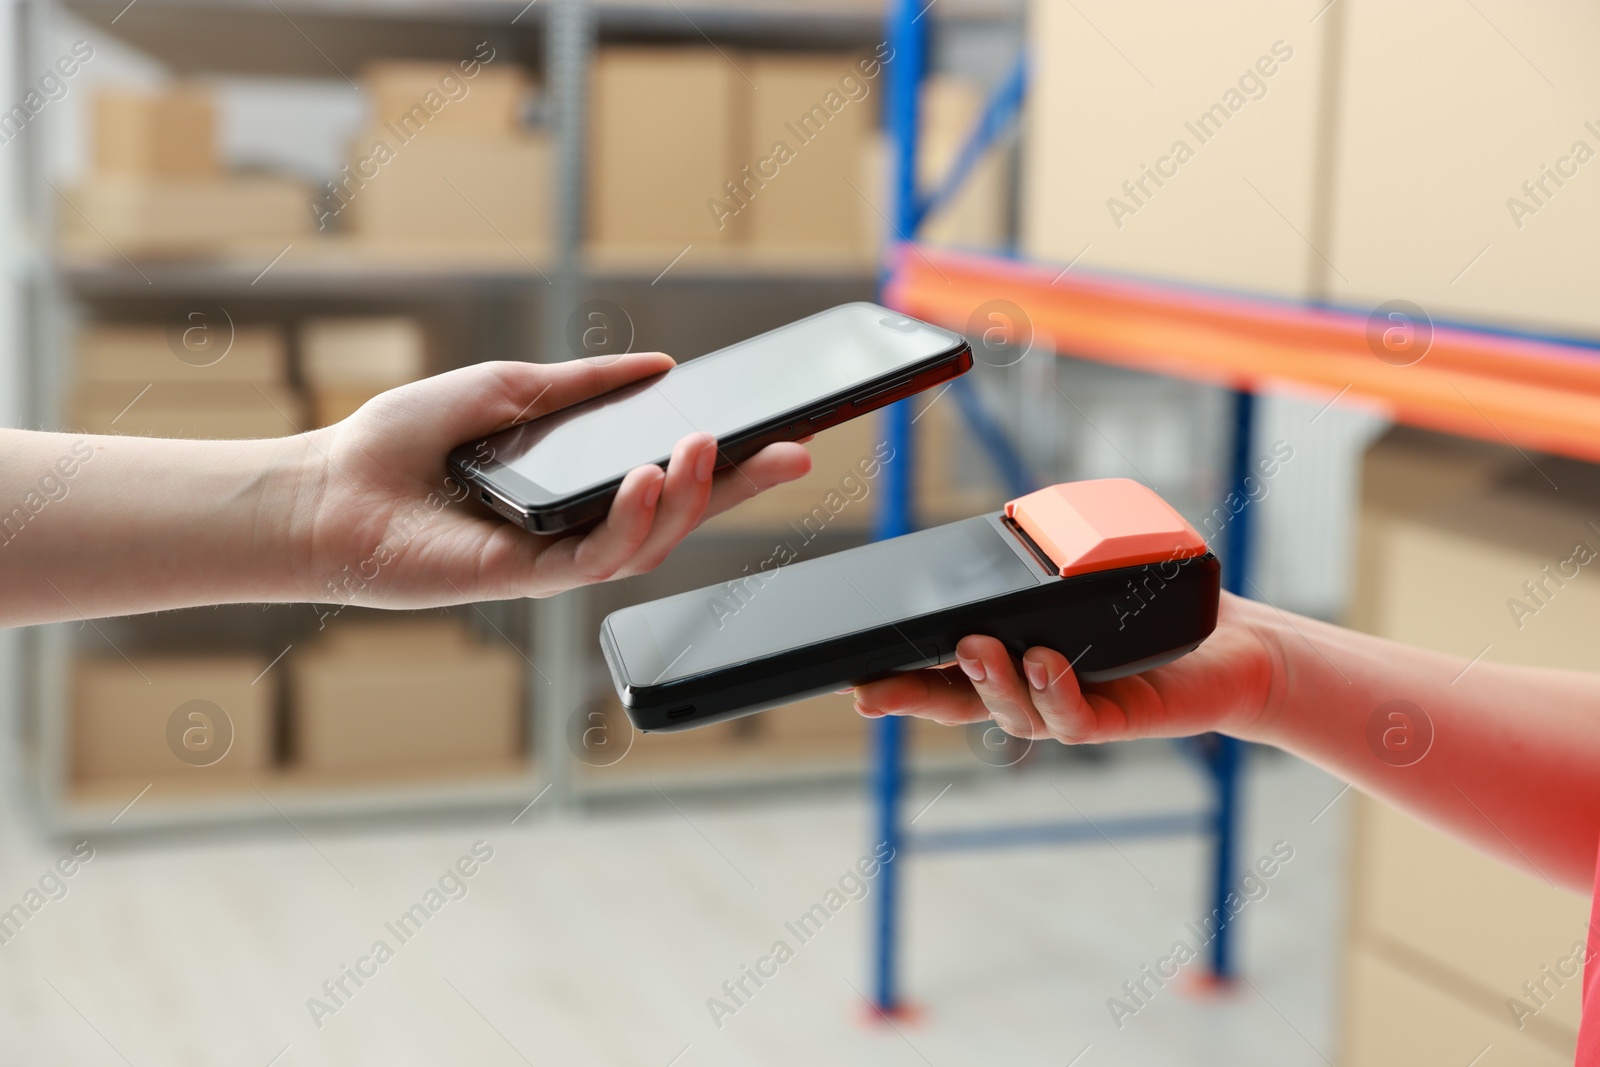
173,717
144,135
409,695
200,376
347,361
446,160
1152,185
486,103
1441,939
1490,167
663,141
158,188
976,216
811,117
695,148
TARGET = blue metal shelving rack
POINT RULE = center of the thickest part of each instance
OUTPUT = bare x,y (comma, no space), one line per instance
1220,757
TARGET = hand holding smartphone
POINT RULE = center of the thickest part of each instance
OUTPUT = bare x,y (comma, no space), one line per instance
560,472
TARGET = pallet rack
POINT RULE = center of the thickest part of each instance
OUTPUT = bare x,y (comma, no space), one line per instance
522,303
1533,391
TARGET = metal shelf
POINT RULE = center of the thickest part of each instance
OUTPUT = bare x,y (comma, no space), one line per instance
340,268
328,39
286,797
760,773
1538,393
333,38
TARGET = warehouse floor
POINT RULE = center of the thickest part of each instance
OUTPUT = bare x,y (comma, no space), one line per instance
601,940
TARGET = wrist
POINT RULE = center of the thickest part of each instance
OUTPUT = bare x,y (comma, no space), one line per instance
1258,712
291,484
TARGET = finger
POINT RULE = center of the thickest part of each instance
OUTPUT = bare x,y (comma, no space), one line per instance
942,694
471,402
684,495
584,559
987,663
773,465
1071,716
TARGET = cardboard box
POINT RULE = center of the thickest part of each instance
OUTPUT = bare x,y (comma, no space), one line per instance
818,113
1434,899
1445,553
119,216
976,216
1492,175
1394,1019
398,636
1449,533
382,351
1200,67
415,95
662,144
398,703
444,188
188,349
154,135
131,722
221,411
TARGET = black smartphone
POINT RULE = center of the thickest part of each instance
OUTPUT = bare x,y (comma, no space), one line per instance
1114,579
561,471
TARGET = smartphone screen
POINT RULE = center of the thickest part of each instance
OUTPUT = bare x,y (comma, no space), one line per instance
815,600
791,369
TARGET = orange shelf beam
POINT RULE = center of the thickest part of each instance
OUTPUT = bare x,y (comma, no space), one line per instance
1533,394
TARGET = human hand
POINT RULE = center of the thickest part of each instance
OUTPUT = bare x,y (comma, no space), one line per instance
1227,684
380,524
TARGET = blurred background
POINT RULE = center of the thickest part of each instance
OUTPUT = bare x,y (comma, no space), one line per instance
244,218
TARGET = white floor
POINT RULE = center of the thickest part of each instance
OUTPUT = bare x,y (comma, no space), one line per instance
599,940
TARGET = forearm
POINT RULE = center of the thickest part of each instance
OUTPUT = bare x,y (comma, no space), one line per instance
94,526
1514,761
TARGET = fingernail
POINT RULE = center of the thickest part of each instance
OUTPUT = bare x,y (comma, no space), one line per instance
653,493
1037,675
702,469
972,668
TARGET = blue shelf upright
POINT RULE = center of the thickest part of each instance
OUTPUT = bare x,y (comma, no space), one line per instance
908,40
1222,757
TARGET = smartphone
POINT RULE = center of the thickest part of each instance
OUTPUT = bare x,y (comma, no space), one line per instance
1105,572
560,472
